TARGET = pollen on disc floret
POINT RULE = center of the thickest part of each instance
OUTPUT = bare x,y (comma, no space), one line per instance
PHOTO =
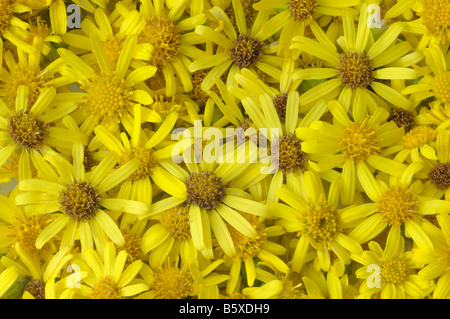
79,201
394,271
320,221
439,175
246,51
436,17
358,141
162,33
290,154
107,97
302,9
397,205
204,189
27,130
355,69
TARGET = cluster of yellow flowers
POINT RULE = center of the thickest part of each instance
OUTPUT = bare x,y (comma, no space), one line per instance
215,149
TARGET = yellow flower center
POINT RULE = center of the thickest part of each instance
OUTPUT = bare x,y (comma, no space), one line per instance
302,9
293,287
176,221
291,156
164,36
6,13
27,130
441,86
35,81
436,17
204,189
246,247
107,97
26,230
355,69
358,141
402,118
79,200
173,282
419,136
320,221
36,288
394,271
397,205
146,162
105,288
39,28
112,47
246,51
440,175
132,246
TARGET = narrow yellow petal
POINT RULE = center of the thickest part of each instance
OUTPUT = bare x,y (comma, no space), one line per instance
222,233
126,54
236,220
153,237
163,131
51,230
7,278
124,205
246,205
117,176
109,226
76,62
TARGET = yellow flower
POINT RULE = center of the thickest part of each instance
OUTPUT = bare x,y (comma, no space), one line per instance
234,50
356,67
79,200
40,276
30,129
165,41
435,80
436,263
391,273
170,235
21,229
107,277
353,146
329,286
397,203
174,279
252,252
295,16
438,171
432,22
111,29
26,71
12,28
109,93
319,223
213,191
417,145
140,147
268,110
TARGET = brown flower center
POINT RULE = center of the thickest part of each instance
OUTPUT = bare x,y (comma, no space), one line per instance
204,189
355,69
79,201
246,51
